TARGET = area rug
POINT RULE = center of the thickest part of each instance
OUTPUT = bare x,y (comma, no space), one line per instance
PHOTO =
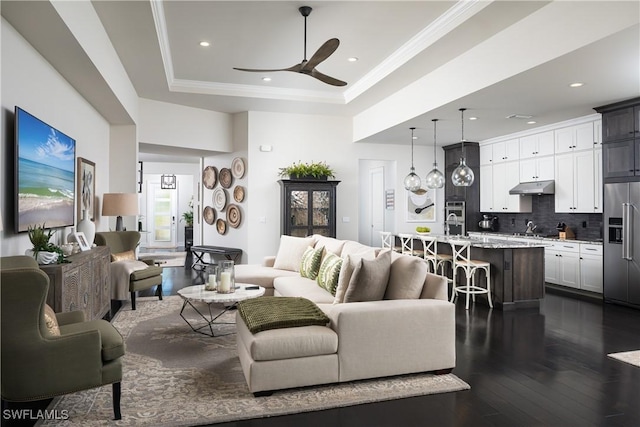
165,259
176,377
630,357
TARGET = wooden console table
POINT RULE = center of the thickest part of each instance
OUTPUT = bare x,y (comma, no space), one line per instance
83,284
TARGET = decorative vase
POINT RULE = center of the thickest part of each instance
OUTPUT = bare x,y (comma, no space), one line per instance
43,257
87,227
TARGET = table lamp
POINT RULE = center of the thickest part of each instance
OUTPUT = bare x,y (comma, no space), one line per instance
119,205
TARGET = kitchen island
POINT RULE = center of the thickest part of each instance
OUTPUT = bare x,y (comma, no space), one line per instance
517,269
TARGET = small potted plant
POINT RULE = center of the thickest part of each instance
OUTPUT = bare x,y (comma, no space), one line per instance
187,217
314,170
43,251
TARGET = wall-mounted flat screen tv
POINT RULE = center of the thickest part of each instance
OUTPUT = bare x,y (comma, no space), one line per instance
45,174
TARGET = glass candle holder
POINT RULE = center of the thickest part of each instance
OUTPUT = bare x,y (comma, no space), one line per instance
226,277
211,283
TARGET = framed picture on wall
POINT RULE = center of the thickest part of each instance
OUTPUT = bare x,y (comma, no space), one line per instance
421,205
86,188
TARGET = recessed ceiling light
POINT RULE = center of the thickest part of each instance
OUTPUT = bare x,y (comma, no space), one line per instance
576,84
473,118
205,44
531,122
266,79
352,59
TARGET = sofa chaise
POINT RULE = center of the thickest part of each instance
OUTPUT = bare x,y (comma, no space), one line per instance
387,316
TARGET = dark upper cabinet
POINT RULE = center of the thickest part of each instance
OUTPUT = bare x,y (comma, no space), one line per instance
308,207
618,125
619,159
621,141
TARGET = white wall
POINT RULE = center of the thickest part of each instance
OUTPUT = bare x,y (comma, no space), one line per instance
301,137
172,125
30,82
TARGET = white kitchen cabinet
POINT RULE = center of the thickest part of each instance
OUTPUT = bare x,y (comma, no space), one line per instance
575,187
574,138
591,267
562,264
505,177
486,188
499,152
597,179
539,144
537,169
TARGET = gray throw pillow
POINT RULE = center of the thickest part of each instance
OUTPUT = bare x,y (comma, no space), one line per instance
369,279
406,277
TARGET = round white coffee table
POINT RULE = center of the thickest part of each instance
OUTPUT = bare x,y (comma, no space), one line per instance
197,293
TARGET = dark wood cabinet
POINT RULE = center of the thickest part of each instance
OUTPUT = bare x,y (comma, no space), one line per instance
83,284
308,207
621,141
470,195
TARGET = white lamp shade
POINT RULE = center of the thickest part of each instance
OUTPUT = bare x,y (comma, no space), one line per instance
120,204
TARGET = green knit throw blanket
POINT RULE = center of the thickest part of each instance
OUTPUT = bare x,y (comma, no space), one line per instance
267,312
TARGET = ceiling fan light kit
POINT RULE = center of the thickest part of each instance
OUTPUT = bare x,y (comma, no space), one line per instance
308,67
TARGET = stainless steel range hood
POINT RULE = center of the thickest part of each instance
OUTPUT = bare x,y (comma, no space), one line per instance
537,187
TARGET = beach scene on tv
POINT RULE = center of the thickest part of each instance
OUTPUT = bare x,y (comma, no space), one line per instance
46,174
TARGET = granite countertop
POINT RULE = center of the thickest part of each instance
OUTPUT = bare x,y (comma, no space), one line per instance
498,235
491,242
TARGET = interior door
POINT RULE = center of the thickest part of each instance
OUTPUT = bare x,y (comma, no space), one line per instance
377,206
161,221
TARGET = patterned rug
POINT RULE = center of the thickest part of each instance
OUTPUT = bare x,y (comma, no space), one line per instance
176,377
630,357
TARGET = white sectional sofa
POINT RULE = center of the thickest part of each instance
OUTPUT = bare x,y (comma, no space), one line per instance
410,329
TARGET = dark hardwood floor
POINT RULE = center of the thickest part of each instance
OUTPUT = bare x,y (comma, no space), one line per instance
535,367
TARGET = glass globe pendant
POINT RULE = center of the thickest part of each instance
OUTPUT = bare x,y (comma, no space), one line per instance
462,176
435,178
412,181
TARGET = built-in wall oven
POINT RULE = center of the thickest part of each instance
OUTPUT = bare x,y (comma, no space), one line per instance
455,218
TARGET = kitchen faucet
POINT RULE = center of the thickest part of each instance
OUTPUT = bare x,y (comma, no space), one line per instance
446,223
530,227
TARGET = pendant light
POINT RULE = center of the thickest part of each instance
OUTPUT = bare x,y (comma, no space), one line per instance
412,181
462,176
435,178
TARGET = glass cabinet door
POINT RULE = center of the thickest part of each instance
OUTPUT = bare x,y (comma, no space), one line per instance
308,207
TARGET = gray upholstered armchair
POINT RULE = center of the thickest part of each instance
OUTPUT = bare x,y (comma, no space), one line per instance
123,241
36,363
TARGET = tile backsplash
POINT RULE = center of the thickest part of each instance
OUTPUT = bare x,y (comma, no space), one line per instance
586,226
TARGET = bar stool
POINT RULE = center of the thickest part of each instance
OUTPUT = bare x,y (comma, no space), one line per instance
386,238
406,242
462,260
435,260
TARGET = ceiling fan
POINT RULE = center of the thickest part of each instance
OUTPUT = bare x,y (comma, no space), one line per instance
308,67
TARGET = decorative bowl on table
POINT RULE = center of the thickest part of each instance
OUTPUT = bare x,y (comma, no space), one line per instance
423,233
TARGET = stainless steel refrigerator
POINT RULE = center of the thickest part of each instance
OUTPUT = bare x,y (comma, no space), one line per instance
622,243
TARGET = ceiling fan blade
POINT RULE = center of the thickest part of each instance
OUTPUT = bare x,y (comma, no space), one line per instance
321,54
326,79
296,68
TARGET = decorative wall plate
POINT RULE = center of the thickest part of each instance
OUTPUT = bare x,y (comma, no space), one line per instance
210,177
219,198
225,178
238,193
221,226
237,168
209,215
234,216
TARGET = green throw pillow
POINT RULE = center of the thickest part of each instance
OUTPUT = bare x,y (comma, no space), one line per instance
329,272
310,262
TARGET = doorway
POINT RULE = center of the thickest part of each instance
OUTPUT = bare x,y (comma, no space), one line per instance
161,216
376,203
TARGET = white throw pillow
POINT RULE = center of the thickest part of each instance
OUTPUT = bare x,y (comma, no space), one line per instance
290,252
